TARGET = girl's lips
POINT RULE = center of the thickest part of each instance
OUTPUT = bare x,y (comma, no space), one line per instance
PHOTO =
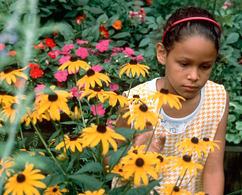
190,88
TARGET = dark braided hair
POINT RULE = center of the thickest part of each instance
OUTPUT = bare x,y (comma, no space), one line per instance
187,29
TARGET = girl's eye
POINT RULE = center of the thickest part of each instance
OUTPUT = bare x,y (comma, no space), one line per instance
205,67
183,64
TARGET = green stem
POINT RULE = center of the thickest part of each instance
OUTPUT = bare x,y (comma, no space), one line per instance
130,85
214,6
182,177
150,140
96,110
21,134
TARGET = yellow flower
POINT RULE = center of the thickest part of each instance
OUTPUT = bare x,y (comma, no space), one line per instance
1,122
97,192
54,190
71,142
133,68
136,149
136,100
5,166
76,114
98,93
9,75
140,115
171,189
5,99
118,169
209,144
101,133
163,97
25,182
162,164
74,65
34,116
191,145
10,111
92,78
52,100
140,166
186,164
115,98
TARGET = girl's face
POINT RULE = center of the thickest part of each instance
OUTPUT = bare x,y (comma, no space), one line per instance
188,65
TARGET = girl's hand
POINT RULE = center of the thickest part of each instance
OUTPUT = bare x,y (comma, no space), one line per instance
143,139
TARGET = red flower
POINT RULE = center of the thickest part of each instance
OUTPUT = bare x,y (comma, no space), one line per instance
12,53
52,55
2,46
104,31
39,46
149,2
50,43
36,73
79,19
20,83
32,65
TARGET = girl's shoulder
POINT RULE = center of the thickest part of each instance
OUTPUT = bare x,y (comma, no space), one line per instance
213,87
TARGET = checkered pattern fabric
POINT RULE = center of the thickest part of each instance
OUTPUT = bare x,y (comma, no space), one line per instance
204,124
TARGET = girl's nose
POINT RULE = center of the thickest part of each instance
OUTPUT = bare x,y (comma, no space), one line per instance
193,75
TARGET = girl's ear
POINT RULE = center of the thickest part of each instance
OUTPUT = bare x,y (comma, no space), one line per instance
161,53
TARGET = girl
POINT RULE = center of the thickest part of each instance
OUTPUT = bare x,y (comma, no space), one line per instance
189,47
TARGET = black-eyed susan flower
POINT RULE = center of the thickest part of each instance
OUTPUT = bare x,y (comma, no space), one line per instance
1,122
96,192
10,111
5,98
55,190
33,116
5,166
162,164
172,189
191,145
73,142
53,101
140,115
74,65
134,68
25,182
115,98
93,78
136,100
118,169
210,144
140,166
10,75
101,133
137,149
163,97
76,114
97,92
185,164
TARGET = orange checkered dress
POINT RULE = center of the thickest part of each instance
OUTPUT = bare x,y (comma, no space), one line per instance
204,124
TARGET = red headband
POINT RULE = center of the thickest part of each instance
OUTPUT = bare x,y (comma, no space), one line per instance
188,19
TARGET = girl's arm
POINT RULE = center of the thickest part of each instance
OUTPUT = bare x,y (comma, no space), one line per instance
213,173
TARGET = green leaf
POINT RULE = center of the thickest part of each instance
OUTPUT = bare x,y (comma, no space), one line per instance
121,35
238,125
232,38
89,181
92,167
112,20
116,156
95,10
54,179
128,133
144,42
102,18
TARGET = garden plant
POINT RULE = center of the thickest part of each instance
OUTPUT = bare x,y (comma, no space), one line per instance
64,65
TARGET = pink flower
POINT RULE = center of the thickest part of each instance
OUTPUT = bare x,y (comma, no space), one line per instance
97,68
68,47
138,58
227,4
116,50
2,46
107,60
113,87
82,52
61,75
99,108
74,91
39,89
128,51
64,59
103,45
54,53
111,123
81,41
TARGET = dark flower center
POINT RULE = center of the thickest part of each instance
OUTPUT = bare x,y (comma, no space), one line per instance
161,158
90,72
120,170
135,151
133,62
21,178
143,108
176,189
194,140
97,89
139,162
101,128
14,106
7,70
73,59
52,97
206,139
73,138
187,158
165,91
54,190
2,92
135,96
